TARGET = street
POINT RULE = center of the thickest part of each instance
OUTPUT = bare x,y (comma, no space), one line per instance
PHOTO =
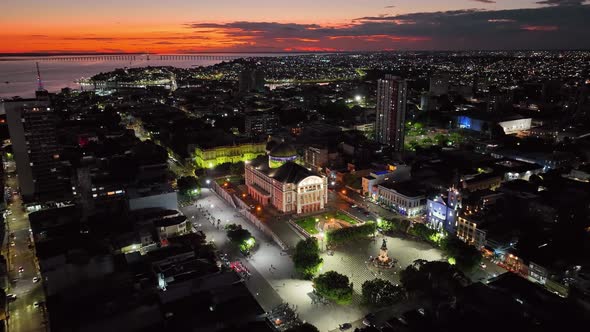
23,316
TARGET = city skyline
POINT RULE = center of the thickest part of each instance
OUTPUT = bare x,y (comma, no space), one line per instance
182,26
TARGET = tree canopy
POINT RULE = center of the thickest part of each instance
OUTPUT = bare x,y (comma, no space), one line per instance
237,234
307,257
187,185
334,286
342,235
436,279
380,293
466,256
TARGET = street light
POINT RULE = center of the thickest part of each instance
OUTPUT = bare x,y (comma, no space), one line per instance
358,98
208,181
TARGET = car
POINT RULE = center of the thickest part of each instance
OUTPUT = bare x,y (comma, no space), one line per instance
11,297
345,326
354,206
369,320
36,304
21,269
36,279
12,243
483,266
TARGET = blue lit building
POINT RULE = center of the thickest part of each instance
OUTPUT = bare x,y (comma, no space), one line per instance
442,214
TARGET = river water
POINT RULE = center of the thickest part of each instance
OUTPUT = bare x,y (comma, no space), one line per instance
18,75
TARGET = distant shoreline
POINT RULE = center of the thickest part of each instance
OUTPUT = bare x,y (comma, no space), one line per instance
289,52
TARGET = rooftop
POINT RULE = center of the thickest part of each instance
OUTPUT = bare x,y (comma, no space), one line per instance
406,188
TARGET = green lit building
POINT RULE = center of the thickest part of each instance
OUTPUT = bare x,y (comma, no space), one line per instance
215,156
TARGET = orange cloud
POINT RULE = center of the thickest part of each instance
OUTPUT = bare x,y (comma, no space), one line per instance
539,27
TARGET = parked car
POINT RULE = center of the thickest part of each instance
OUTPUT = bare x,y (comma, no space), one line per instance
11,297
36,279
345,326
21,269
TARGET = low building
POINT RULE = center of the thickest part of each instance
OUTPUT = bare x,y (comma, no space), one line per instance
482,181
171,227
157,196
289,187
214,156
403,197
517,170
393,173
470,231
483,122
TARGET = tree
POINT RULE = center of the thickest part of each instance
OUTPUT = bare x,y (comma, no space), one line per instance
440,139
342,235
307,257
422,231
334,286
380,293
305,327
466,256
188,185
240,237
435,279
237,168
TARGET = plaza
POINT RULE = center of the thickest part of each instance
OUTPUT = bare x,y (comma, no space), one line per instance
273,274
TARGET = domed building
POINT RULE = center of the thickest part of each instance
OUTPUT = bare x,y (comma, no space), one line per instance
280,182
281,154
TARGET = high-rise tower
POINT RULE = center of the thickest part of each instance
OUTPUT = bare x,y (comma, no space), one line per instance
391,111
32,128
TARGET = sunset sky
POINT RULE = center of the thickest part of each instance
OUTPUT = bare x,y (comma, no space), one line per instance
183,26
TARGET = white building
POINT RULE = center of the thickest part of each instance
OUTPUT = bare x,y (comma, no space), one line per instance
515,126
395,173
402,197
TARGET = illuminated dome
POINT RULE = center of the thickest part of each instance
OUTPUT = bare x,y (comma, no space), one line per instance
281,154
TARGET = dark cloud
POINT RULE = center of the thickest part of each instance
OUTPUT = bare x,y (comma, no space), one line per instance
562,2
484,1
551,27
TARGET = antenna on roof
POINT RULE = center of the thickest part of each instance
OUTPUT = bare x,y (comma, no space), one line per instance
39,82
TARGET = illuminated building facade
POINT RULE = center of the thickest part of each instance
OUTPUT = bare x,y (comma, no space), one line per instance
289,187
468,230
442,213
403,198
210,158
